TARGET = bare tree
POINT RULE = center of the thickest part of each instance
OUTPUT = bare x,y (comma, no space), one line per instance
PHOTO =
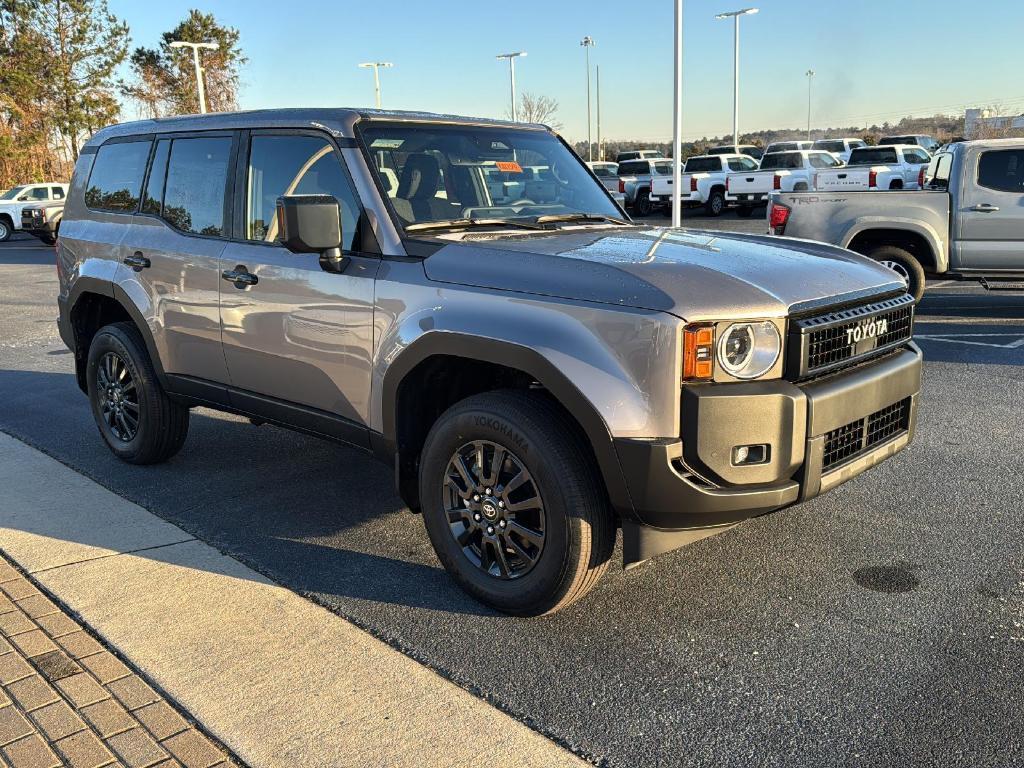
537,109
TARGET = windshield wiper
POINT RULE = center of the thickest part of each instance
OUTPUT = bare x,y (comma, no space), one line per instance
459,223
569,217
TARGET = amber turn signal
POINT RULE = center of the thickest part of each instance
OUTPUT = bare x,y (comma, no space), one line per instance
698,352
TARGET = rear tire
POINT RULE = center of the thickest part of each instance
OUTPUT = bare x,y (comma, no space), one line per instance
715,204
137,420
904,264
474,516
642,206
744,211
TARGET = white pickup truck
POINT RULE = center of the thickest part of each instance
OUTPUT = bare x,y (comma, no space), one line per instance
892,167
703,182
15,199
778,172
969,221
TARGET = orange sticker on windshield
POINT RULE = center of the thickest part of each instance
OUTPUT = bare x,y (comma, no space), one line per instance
509,167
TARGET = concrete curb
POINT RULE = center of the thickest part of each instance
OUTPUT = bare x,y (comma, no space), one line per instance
277,679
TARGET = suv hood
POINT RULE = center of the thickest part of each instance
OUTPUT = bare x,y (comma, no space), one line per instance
695,275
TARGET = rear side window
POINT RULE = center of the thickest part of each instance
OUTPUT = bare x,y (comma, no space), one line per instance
116,176
57,193
194,192
821,160
296,165
873,156
781,160
916,156
742,164
1002,170
703,164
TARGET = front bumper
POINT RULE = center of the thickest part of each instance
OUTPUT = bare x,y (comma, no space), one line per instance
680,487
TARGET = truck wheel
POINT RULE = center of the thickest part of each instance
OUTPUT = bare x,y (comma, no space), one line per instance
643,203
5,229
744,211
904,264
139,423
715,204
896,184
513,506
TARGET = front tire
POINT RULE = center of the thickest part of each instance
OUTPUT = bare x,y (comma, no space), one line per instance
513,506
5,230
905,265
137,420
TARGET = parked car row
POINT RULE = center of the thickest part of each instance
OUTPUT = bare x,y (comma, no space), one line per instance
730,175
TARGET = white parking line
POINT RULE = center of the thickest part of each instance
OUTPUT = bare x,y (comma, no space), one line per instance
961,338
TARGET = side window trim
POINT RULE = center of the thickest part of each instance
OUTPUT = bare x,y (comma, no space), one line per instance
241,185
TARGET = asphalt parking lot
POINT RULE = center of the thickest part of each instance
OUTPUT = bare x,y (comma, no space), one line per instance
881,624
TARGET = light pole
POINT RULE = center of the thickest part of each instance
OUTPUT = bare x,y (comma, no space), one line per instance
376,65
600,149
677,120
810,77
588,43
735,16
512,75
199,70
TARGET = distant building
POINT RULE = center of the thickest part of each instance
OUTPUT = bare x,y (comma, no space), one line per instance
978,122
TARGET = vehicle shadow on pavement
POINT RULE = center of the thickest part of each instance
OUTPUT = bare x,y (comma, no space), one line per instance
250,492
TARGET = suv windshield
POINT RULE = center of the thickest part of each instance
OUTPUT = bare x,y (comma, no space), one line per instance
12,193
442,173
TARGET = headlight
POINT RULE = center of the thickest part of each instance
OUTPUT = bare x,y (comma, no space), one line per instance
749,350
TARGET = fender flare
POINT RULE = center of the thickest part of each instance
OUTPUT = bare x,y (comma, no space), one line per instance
528,361
931,237
92,285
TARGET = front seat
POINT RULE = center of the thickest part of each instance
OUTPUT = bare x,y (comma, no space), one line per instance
417,188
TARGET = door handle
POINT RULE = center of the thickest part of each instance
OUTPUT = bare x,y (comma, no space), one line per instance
240,276
985,208
136,261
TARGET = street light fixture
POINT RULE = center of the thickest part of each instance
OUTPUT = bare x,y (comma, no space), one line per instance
588,43
376,75
512,75
810,77
735,16
199,70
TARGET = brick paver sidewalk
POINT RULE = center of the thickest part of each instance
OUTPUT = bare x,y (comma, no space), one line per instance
66,700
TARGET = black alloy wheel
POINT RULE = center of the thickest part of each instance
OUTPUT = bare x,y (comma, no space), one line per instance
494,508
119,397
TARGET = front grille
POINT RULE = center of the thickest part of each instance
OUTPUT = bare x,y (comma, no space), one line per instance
825,342
860,436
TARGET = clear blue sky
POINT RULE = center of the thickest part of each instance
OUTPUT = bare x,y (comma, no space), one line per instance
875,60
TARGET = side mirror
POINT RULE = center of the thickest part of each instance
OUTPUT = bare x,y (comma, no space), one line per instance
312,224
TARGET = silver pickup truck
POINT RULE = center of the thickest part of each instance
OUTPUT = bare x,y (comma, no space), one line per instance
969,221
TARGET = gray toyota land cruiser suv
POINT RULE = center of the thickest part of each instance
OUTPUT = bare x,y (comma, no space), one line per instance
463,299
